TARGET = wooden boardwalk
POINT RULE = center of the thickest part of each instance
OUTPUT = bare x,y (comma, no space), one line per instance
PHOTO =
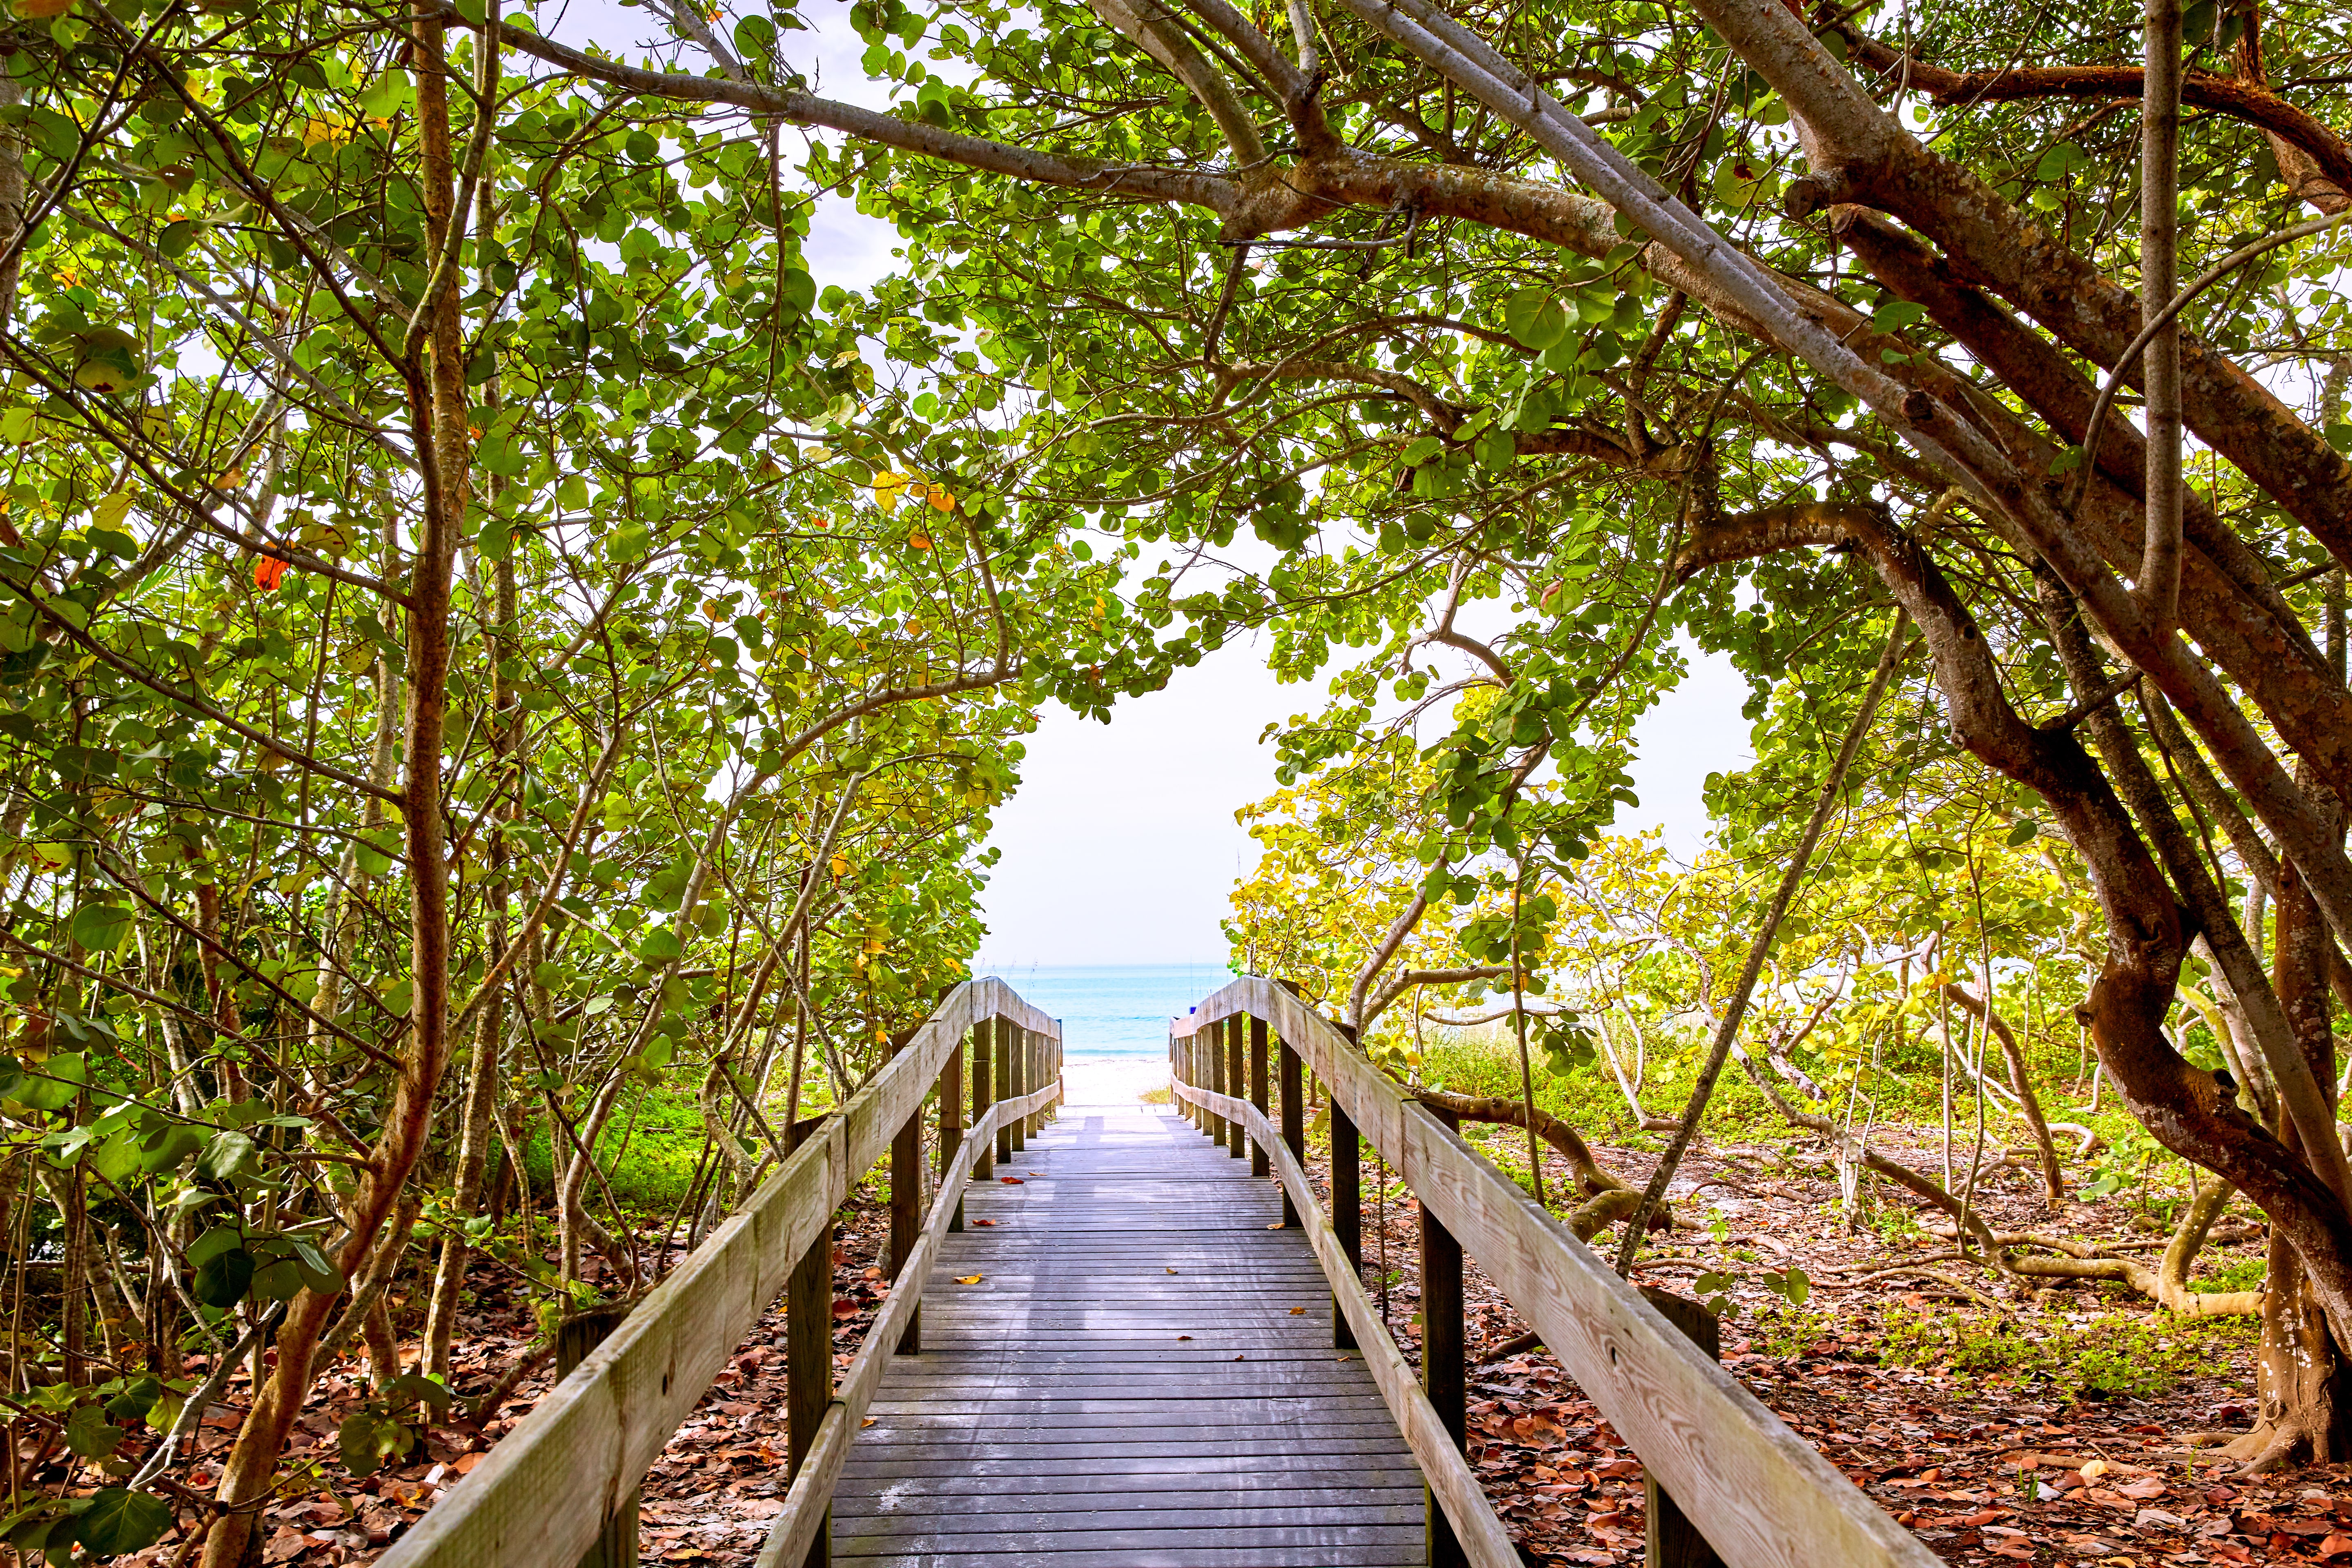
1143,1377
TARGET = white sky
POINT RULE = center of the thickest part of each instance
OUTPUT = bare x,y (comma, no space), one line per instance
1120,845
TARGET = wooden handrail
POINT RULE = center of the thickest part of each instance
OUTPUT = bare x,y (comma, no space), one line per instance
1482,1537
539,1498
1761,1494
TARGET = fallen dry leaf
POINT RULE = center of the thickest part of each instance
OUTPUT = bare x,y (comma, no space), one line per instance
1011,1181
968,1278
1295,1311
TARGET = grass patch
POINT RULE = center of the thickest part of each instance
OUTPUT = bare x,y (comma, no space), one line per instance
1159,1094
2098,1358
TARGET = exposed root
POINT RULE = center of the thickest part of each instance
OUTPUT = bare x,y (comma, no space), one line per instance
1596,1182
2266,1447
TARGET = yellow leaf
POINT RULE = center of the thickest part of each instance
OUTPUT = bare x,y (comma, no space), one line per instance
840,865
1298,1311
967,1278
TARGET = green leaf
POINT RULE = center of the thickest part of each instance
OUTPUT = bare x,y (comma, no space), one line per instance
755,36
660,945
226,1156
169,1145
100,928
1533,316
91,1435
318,1272
61,1080
119,1521
388,94
222,1280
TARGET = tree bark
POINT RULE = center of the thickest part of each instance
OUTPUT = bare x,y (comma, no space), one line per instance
438,409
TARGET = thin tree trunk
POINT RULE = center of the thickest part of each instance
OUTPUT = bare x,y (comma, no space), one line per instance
2054,1178
1736,1008
439,410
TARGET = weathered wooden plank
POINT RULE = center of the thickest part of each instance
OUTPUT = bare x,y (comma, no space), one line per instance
1004,1516
1132,1471
1761,1494
1156,1557
976,1536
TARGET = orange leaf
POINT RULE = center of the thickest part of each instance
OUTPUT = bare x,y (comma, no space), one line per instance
267,572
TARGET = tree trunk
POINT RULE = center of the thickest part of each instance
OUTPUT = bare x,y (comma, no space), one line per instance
439,410
2301,1380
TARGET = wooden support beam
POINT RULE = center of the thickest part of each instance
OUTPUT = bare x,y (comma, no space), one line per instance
1294,1124
984,1092
1007,1044
1258,1166
1236,1076
539,1498
906,1203
616,1543
1674,1541
1347,1203
794,1532
808,1366
1211,1039
1443,1368
951,1120
1017,1057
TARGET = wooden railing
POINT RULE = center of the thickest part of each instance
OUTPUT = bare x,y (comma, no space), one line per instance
1759,1494
562,1485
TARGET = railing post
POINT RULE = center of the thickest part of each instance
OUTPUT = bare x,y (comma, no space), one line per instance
1441,1368
1674,1541
983,1092
951,1120
1008,1044
1236,1074
1033,1078
1294,1123
1191,1045
1260,1166
1347,1203
906,1204
808,1358
1215,1048
1024,1078
617,1546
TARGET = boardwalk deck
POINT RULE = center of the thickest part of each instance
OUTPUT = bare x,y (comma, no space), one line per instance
1143,1376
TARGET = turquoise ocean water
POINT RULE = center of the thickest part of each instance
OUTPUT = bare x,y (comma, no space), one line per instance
1112,1010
